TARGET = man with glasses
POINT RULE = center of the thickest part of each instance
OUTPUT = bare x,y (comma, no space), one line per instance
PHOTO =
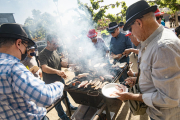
51,64
119,42
121,25
22,96
159,79
159,17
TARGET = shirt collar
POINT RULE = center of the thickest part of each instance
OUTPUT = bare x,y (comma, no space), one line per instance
152,37
118,35
8,56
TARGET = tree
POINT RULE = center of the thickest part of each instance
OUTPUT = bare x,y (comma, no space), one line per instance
174,5
101,10
40,24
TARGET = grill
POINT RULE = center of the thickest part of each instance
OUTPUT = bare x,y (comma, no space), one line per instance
89,96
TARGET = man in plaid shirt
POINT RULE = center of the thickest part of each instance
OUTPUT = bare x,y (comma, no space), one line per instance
22,96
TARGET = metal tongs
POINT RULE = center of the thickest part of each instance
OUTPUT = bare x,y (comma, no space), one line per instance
115,61
124,83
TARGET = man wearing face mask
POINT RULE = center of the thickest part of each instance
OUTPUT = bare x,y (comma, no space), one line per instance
121,25
30,61
22,96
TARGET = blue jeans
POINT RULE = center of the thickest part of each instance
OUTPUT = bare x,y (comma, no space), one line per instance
59,108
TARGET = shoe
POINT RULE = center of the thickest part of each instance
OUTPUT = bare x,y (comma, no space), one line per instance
73,108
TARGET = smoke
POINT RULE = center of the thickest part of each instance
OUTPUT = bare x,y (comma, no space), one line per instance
70,23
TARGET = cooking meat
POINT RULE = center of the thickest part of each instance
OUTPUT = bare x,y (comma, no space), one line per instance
97,87
88,84
108,77
101,77
83,84
83,75
96,84
94,81
104,84
76,82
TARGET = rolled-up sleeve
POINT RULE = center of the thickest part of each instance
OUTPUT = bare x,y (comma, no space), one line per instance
166,78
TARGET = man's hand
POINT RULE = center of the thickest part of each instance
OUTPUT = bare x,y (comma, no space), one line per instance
124,96
131,81
116,56
127,52
129,96
130,73
62,74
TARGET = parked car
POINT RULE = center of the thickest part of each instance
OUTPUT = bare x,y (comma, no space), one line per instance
41,45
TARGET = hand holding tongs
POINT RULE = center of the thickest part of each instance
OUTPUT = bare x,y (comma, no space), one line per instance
115,61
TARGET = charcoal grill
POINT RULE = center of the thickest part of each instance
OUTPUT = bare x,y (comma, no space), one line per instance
89,96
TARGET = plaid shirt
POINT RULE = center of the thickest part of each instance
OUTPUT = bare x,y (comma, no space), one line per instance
23,96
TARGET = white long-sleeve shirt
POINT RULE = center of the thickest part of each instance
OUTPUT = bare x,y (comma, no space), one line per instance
160,74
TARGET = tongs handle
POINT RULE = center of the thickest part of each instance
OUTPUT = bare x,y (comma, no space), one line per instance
124,83
115,61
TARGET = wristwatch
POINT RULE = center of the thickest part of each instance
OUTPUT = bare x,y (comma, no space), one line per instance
134,74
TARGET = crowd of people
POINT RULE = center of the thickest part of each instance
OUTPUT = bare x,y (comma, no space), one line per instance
26,93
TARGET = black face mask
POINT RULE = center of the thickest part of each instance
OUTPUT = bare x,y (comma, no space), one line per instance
23,56
33,54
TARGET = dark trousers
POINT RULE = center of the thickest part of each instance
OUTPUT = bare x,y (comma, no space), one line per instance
124,75
45,118
59,108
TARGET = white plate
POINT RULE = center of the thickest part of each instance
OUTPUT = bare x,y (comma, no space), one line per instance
109,89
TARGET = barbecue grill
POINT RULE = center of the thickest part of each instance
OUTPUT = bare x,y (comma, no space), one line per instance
88,96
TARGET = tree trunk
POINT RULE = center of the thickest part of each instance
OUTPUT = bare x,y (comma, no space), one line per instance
176,19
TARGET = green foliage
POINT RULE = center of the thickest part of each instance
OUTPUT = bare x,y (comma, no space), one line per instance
39,24
174,5
101,10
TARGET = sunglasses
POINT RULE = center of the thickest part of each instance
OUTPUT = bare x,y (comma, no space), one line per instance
157,18
130,29
93,38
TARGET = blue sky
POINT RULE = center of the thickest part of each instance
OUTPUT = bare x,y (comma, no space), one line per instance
22,8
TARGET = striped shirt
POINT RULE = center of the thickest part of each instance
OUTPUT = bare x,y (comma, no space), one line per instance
23,96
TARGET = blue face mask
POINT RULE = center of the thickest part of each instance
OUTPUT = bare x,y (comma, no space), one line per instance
33,54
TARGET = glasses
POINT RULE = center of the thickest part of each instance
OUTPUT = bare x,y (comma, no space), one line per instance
23,42
157,18
93,38
130,29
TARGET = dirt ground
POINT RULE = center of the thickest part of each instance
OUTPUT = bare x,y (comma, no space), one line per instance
123,113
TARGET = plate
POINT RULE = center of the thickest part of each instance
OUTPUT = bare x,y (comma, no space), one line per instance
109,89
